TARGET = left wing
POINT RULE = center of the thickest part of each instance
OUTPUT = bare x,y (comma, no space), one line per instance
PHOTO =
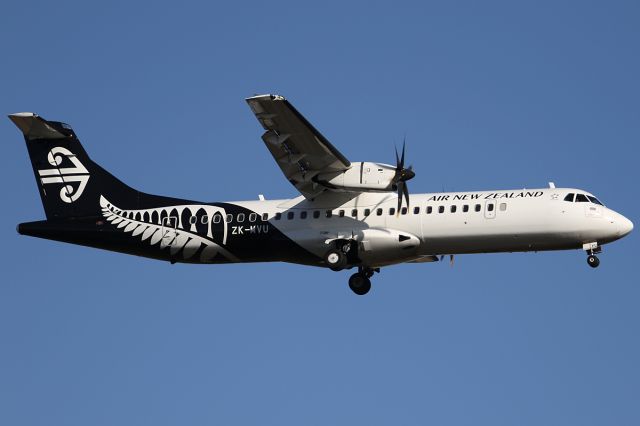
299,149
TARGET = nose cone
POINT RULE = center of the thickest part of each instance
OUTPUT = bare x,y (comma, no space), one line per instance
625,226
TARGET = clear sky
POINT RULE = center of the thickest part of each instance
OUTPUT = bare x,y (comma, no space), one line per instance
489,94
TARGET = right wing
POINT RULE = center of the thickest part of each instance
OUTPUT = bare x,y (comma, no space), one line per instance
299,149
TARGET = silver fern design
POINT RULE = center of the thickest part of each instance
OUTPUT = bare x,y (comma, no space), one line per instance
170,231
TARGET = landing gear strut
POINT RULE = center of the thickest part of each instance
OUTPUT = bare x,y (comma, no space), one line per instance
592,249
360,282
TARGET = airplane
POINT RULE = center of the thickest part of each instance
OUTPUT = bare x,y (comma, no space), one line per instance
349,214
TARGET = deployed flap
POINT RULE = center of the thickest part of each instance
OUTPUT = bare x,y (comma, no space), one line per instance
299,149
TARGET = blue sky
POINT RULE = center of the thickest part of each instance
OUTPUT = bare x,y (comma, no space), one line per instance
489,95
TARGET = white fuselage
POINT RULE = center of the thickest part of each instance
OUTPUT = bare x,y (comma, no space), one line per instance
445,223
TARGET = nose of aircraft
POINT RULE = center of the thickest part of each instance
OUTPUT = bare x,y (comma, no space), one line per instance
625,226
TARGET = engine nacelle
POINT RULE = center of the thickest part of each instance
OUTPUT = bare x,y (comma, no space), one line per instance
362,176
378,247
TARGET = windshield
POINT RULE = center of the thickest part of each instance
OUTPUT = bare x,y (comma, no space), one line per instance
582,198
594,200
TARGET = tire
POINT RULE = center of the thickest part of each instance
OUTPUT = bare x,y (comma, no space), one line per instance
593,261
359,284
335,260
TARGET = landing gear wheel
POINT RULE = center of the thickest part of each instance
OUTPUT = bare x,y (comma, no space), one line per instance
593,261
336,260
359,284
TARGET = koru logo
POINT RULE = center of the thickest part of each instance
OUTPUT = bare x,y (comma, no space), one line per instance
76,174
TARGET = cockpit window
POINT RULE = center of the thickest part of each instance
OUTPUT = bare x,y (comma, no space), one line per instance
569,198
594,200
581,198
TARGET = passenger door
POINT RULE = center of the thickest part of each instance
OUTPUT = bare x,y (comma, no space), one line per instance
169,225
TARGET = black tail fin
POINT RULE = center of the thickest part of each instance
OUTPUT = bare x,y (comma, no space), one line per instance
70,184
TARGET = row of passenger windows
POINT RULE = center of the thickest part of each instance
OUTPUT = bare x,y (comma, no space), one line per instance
252,217
581,198
240,217
391,211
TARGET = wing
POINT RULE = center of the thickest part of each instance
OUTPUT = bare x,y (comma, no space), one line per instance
299,149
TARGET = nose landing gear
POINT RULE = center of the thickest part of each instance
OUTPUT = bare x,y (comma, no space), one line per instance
592,249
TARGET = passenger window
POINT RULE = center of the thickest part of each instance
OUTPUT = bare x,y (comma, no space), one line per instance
240,217
465,208
303,215
290,215
205,219
216,218
503,206
429,209
328,213
252,217
403,210
341,213
316,214
416,210
367,212
581,198
229,218
441,209
265,216
379,212
478,207
569,198
354,213
278,216
490,207
392,211
454,208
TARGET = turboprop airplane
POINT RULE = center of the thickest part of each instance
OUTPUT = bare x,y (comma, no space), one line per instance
349,214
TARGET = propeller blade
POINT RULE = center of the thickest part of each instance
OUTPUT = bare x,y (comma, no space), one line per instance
405,192
401,186
401,176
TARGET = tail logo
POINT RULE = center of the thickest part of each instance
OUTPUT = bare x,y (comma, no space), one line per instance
77,174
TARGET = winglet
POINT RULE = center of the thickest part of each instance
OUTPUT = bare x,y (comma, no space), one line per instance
35,127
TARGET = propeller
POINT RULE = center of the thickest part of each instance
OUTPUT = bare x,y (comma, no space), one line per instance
401,177
451,259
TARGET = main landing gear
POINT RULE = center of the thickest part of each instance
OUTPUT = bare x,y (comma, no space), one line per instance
341,256
360,282
592,249
344,255
336,259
